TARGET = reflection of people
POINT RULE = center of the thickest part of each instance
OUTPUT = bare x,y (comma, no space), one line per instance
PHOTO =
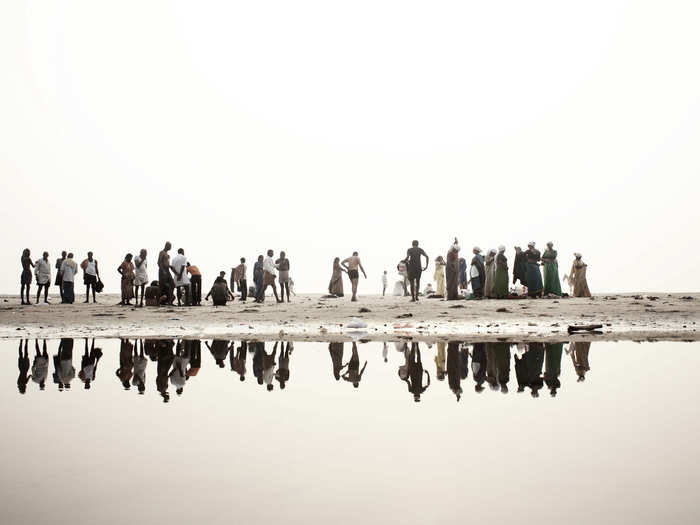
219,349
178,375
440,361
165,360
352,264
63,364
579,356
552,366
479,366
282,374
238,359
126,363
140,363
354,374
268,371
88,364
40,366
534,358
415,267
454,366
23,366
415,373
336,351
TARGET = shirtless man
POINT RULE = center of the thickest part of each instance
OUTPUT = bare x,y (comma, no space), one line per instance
351,264
165,279
415,268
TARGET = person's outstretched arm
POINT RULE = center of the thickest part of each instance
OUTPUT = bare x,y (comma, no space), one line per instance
363,270
427,259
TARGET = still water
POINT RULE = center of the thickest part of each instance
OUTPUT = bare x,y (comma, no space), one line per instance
171,431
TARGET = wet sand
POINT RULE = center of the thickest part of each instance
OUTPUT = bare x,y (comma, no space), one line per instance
310,317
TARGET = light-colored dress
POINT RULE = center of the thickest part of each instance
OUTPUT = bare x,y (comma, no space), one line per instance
335,287
439,277
141,272
127,268
490,270
577,279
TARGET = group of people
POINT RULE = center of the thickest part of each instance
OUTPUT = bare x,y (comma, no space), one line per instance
66,270
488,275
536,365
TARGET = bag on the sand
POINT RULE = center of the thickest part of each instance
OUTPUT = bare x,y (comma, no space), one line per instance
99,286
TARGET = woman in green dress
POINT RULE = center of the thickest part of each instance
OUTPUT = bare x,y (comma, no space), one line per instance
500,285
551,271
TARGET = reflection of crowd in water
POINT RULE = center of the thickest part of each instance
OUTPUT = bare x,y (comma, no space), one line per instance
536,365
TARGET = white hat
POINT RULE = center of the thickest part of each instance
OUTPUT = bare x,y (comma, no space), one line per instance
531,244
550,243
501,248
477,249
577,255
492,251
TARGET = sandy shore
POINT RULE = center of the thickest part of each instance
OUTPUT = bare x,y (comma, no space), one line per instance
310,317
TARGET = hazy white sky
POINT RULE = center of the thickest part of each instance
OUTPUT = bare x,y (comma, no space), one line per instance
326,127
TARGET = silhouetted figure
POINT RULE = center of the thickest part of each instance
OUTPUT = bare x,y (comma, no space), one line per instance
479,366
440,358
23,366
26,278
414,266
415,373
140,364
219,349
502,355
579,356
40,366
165,361
454,368
269,368
178,374
238,360
88,364
258,352
165,278
126,363
63,364
552,366
194,347
354,374
535,360
336,351
522,374
282,374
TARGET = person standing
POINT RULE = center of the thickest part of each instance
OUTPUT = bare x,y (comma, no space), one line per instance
500,284
69,270
140,275
42,271
534,277
26,279
385,283
91,274
283,266
490,273
165,279
269,277
551,271
196,284
258,275
439,275
126,270
452,271
242,277
520,267
415,268
182,280
352,264
577,277
463,273
59,275
477,273
403,272
335,287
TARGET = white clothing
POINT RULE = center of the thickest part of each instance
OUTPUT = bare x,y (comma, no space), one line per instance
180,262
268,375
68,270
42,270
385,280
140,363
91,268
474,271
140,272
269,265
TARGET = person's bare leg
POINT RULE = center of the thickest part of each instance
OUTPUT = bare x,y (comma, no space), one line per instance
274,289
38,293
46,292
354,290
417,286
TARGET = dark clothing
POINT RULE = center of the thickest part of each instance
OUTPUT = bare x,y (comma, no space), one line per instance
243,288
353,274
68,292
26,270
196,289
413,261
478,284
219,292
520,268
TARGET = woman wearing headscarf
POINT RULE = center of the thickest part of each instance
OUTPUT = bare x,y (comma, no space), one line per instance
534,277
335,287
490,271
452,271
439,275
126,269
577,277
500,284
520,267
551,271
477,273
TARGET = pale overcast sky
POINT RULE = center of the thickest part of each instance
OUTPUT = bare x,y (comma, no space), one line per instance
326,127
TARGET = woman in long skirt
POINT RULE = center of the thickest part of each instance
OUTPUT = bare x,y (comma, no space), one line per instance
500,285
551,271
577,277
452,272
335,287
126,269
439,275
490,270
534,277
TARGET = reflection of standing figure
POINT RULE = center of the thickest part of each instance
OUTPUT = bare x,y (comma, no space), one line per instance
140,363
126,363
415,373
552,366
535,359
165,361
268,372
579,356
238,362
354,374
454,368
282,374
479,366
521,372
336,351
491,370
178,375
502,354
440,361
219,350
88,364
23,366
40,367
259,350
63,364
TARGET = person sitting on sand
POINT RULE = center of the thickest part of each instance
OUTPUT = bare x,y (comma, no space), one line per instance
351,264
220,292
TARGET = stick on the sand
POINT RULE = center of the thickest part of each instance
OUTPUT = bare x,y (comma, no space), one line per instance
584,328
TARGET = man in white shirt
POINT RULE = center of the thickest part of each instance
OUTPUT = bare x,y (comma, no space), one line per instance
68,270
269,276
182,280
42,271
